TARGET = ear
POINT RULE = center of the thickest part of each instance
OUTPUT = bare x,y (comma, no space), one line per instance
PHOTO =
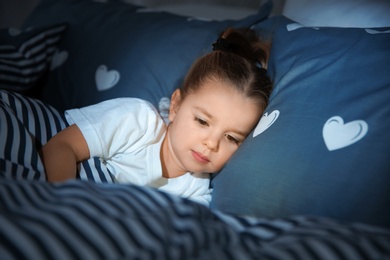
175,104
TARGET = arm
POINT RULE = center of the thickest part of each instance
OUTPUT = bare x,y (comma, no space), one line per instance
62,153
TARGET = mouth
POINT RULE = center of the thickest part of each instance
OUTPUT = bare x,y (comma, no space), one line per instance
199,157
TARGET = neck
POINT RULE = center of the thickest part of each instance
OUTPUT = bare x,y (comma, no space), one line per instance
169,168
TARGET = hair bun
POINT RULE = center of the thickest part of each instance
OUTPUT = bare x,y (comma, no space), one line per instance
245,43
223,45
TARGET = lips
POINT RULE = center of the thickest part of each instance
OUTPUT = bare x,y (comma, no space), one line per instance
199,157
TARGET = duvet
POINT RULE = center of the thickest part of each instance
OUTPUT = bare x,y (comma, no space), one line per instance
94,218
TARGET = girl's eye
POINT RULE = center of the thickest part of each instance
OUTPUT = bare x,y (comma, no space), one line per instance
232,139
201,121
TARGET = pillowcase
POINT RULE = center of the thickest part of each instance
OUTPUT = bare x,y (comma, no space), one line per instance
26,55
346,13
322,146
115,49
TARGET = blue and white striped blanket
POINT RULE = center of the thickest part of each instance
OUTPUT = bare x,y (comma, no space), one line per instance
95,220
85,220
26,124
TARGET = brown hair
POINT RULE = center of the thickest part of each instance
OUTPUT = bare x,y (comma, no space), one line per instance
237,57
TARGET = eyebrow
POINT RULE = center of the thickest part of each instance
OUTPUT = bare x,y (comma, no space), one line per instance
204,111
201,109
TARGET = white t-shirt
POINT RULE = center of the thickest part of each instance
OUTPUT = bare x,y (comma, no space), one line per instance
126,134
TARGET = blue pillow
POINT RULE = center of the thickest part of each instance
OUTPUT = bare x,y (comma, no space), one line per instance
115,49
322,146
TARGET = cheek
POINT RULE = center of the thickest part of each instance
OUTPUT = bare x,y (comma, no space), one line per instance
227,151
180,131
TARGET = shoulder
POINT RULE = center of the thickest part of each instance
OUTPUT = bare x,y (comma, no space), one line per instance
128,103
126,106
115,112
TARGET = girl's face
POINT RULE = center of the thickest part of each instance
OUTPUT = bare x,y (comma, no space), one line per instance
206,128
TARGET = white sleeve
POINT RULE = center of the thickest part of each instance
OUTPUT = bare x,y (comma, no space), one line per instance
116,125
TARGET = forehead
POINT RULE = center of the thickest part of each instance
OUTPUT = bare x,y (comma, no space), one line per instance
221,92
224,104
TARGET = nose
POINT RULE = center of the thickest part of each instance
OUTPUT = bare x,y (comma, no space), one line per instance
212,142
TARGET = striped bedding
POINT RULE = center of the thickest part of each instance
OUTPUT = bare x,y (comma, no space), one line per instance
97,219
26,124
86,220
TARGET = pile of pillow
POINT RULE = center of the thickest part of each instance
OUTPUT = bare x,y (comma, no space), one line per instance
322,147
113,48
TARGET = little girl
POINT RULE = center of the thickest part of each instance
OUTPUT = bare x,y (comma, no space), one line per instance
222,98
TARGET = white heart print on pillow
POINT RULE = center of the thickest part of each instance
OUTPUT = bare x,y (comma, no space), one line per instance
58,59
106,79
338,135
14,31
265,122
